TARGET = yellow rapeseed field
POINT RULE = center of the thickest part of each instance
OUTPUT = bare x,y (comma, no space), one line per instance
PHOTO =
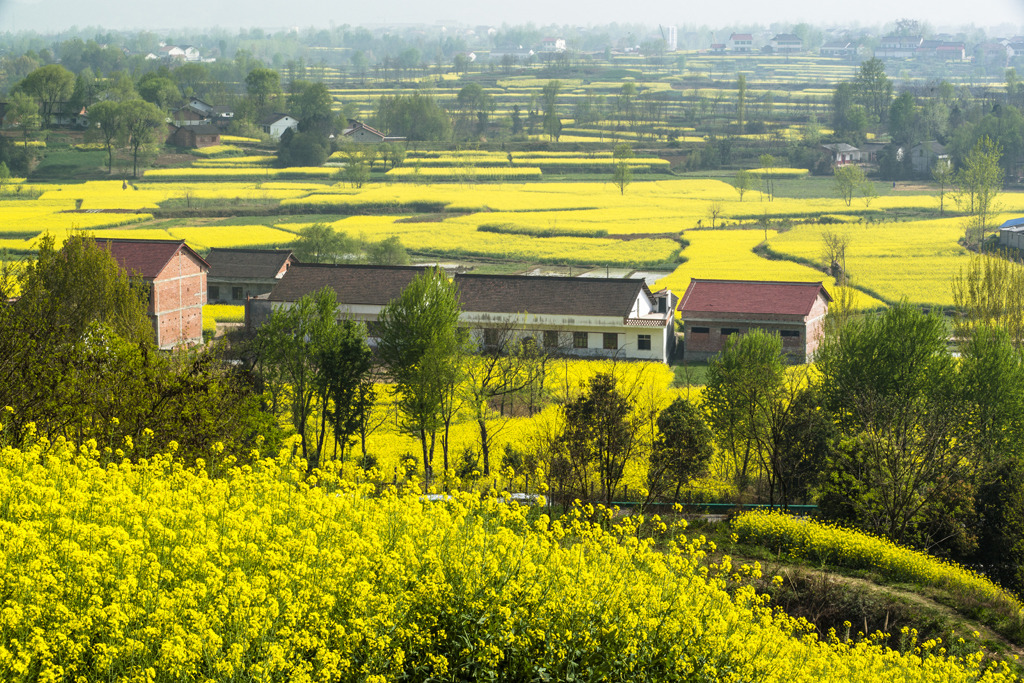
149,572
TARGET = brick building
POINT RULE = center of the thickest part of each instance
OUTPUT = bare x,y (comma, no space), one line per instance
712,310
176,276
194,136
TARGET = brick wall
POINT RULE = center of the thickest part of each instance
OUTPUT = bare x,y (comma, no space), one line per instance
179,292
703,345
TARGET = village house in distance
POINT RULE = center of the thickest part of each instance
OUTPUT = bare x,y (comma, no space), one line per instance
713,310
176,276
591,317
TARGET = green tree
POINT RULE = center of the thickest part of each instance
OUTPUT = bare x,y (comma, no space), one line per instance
160,90
599,433
302,149
311,104
874,89
549,97
105,124
472,101
320,243
422,347
141,125
303,348
741,102
744,382
49,85
417,117
622,172
504,367
942,174
846,180
262,86
903,120
989,292
192,78
22,114
387,252
683,447
743,181
344,382
889,383
5,176
768,163
63,294
978,182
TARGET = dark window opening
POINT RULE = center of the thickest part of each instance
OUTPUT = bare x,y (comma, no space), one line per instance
700,330
790,333
550,339
580,340
643,342
490,337
726,331
611,341
236,293
213,293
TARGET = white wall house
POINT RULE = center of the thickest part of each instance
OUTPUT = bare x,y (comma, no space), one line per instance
589,317
275,125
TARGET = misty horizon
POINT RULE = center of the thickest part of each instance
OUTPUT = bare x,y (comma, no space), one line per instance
54,16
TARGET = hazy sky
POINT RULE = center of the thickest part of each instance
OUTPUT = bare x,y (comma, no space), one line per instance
48,15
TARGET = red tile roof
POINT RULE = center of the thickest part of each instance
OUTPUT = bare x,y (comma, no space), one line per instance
751,297
146,257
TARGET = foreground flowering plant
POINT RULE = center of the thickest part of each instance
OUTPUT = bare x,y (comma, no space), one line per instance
152,572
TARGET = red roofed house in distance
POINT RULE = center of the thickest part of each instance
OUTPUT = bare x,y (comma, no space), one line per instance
713,310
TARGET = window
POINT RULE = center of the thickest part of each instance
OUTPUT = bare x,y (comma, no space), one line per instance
726,331
490,337
580,340
550,339
643,342
700,330
611,341
790,333
236,293
213,293
661,305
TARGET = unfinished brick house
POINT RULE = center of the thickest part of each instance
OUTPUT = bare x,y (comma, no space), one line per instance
176,276
713,310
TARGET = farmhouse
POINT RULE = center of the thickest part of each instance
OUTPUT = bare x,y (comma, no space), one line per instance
787,44
238,274
713,310
176,276
194,136
362,291
1011,234
842,154
924,156
275,125
740,42
843,49
593,317
358,131
898,47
